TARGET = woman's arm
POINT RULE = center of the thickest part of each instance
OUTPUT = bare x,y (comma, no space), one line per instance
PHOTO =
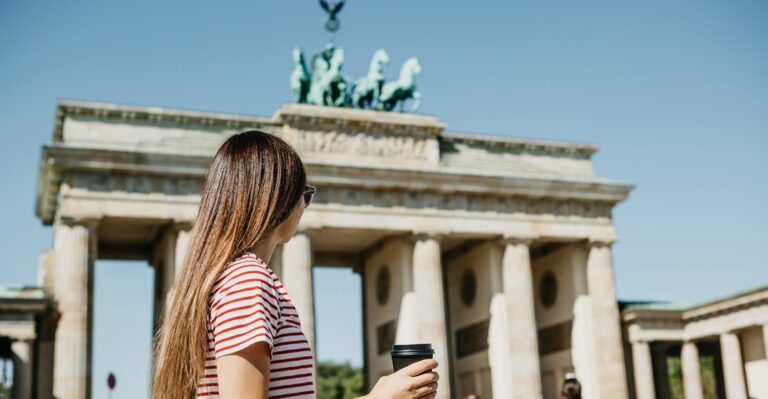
245,374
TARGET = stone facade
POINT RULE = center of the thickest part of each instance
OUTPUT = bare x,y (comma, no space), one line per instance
27,326
495,250
731,332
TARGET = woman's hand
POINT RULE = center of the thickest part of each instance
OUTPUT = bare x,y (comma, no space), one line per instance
414,381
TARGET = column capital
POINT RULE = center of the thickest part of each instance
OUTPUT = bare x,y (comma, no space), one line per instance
508,239
309,231
185,225
70,221
418,235
29,340
601,241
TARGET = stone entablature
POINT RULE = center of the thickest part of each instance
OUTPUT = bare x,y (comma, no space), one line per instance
358,156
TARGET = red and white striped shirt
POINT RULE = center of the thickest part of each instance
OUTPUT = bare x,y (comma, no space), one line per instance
248,304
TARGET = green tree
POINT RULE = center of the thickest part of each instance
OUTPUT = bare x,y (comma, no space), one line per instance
708,377
339,381
675,376
5,391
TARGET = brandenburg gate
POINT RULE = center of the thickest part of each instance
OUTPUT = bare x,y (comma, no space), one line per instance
496,250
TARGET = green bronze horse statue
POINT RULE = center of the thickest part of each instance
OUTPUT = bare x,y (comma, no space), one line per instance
299,77
367,89
403,88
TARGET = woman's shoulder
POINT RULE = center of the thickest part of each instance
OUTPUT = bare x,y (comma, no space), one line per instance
246,268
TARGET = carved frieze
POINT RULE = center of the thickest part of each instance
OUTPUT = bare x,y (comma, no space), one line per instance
137,183
359,143
360,196
454,201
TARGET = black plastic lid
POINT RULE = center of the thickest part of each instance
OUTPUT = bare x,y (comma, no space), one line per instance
412,350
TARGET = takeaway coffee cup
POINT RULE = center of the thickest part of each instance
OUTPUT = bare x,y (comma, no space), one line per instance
404,355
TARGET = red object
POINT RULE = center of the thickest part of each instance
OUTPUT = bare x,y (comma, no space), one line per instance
249,305
111,381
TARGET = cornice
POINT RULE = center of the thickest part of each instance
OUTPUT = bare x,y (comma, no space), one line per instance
152,115
528,146
690,313
453,181
727,305
314,117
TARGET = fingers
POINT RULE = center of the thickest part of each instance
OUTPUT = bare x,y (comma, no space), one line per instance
425,390
426,378
419,367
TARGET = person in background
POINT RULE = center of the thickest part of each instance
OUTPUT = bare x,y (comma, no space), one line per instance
571,387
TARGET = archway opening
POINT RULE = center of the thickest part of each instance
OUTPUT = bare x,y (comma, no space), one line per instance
339,329
122,327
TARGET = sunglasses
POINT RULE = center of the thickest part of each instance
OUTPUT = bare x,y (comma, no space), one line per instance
309,193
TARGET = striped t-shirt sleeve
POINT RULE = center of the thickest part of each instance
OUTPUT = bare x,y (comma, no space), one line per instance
244,309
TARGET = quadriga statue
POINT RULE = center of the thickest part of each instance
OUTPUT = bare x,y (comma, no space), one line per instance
299,77
367,90
403,88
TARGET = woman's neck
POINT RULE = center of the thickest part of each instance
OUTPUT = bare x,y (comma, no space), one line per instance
264,249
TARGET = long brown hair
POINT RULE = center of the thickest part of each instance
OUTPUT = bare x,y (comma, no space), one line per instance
252,185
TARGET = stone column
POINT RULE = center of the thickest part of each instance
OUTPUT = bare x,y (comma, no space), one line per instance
44,354
46,270
523,334
498,341
583,346
582,338
182,242
178,240
428,289
609,353
75,246
167,260
689,357
23,368
733,366
643,365
297,280
765,339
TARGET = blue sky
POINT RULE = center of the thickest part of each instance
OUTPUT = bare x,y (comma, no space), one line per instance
675,94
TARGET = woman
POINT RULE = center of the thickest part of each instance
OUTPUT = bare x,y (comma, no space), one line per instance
231,330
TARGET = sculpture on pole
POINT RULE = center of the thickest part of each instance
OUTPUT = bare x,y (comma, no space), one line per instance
326,85
332,23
